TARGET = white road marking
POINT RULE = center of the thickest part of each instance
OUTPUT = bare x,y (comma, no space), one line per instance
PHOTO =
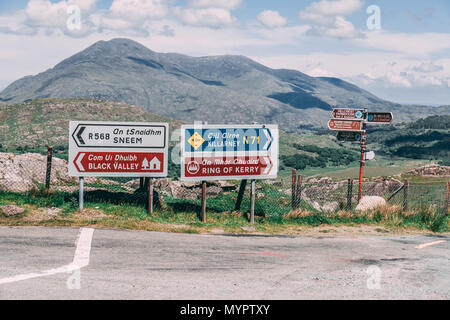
80,259
429,244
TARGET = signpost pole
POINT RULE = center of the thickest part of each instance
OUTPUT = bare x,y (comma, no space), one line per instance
363,150
252,202
203,218
240,195
81,193
150,196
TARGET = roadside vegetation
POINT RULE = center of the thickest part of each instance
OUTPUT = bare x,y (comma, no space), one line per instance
61,209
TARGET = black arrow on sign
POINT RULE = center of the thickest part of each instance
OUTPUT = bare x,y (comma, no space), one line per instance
80,132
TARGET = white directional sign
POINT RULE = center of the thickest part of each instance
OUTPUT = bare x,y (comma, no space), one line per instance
116,149
369,155
229,152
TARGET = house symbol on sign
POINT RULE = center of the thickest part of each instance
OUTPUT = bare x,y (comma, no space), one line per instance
153,165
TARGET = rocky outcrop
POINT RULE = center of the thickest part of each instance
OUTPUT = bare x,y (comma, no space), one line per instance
431,170
11,210
23,172
382,187
191,189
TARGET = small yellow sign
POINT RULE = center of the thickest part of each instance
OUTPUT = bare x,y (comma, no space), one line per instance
196,140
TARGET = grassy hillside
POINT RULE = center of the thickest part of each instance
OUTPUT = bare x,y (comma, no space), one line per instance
31,126
427,139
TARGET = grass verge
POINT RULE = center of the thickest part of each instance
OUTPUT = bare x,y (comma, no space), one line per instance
61,209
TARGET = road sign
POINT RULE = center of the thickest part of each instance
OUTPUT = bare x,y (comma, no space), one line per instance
122,162
344,113
369,155
229,152
346,125
349,136
95,135
115,149
218,167
380,117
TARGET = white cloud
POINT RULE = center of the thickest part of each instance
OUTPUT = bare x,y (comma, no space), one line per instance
139,9
328,18
224,4
209,17
334,8
418,45
427,67
272,19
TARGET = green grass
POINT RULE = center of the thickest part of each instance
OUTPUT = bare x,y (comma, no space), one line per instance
271,218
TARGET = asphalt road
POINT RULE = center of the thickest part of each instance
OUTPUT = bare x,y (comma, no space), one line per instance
71,263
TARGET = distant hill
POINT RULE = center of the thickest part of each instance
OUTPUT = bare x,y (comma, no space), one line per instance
221,89
427,138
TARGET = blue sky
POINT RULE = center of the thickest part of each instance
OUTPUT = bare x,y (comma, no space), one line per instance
406,59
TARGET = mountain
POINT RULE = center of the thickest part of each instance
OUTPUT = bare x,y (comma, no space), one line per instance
221,89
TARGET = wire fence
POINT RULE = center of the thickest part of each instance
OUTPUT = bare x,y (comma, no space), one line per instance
275,198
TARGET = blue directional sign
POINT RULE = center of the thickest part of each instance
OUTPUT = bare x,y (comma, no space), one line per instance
228,139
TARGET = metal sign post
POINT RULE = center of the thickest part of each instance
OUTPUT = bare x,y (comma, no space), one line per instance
229,152
81,193
363,151
118,149
351,124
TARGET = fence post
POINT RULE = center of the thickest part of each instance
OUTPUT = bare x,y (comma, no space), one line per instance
447,198
252,202
349,194
203,217
298,192
294,186
49,167
240,195
405,195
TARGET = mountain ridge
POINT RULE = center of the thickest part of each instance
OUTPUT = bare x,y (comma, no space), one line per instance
217,89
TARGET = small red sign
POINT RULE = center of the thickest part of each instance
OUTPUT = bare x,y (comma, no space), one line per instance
119,162
347,114
345,125
222,166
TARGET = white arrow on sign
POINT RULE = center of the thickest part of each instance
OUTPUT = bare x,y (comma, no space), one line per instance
269,139
268,165
78,162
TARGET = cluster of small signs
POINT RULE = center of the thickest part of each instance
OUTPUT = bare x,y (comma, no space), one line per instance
208,152
350,124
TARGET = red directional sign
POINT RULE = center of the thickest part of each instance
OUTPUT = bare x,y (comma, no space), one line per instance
237,166
344,113
119,162
345,125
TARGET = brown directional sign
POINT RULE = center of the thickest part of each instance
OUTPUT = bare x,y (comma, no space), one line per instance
379,117
345,113
349,136
345,125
